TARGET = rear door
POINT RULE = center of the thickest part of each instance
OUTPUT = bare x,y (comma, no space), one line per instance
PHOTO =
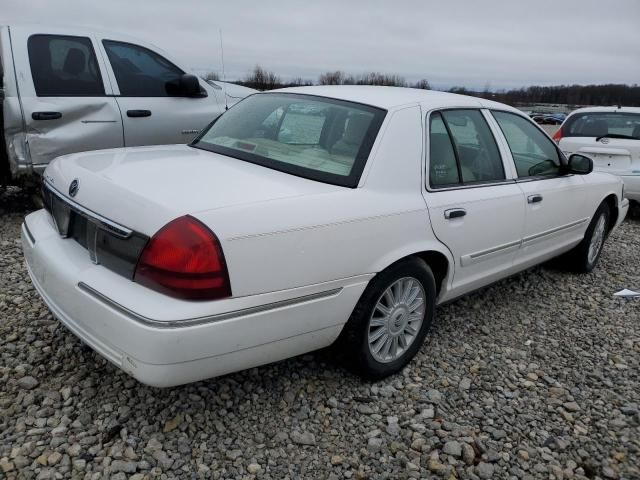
151,113
556,208
475,206
65,94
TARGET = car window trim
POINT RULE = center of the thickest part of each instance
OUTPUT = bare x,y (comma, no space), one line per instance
119,94
561,156
461,185
67,95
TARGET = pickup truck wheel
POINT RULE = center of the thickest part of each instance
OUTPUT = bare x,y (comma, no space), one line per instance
584,257
390,321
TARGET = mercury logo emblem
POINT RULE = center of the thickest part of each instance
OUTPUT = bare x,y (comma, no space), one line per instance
73,187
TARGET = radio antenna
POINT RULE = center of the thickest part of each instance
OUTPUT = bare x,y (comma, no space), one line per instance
224,80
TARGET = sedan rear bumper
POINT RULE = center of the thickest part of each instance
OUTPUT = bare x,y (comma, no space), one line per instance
163,341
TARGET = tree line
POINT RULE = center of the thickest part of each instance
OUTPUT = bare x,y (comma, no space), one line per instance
608,94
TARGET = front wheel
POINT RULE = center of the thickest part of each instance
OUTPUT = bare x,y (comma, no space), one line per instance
390,321
584,257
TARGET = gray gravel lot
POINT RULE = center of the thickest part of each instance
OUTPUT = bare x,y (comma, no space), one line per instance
535,377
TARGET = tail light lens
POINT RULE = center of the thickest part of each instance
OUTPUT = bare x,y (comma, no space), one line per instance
184,259
558,135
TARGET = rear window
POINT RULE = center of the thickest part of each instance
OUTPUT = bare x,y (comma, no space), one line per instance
598,124
312,137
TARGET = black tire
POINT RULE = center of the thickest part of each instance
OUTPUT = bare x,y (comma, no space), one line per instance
579,259
353,343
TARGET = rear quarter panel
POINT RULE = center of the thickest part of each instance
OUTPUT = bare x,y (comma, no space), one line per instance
317,238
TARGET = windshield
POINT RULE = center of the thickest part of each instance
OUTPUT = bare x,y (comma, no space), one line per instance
312,137
601,124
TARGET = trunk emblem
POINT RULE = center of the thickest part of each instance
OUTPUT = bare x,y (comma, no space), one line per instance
74,187
604,140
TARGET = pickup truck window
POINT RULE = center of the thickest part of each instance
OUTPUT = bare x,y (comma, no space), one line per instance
141,72
64,66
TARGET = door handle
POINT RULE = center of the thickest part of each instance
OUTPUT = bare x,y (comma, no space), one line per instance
46,115
537,198
454,213
138,113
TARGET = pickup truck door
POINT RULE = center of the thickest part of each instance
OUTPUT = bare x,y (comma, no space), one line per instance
65,94
556,205
151,114
475,206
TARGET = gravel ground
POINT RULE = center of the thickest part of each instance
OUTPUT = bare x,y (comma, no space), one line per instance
535,377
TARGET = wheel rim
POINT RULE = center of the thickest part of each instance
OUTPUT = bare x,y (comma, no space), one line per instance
396,319
597,239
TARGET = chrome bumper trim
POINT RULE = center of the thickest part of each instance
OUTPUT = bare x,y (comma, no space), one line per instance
208,319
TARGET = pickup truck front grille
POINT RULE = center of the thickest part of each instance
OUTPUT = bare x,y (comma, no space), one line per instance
109,244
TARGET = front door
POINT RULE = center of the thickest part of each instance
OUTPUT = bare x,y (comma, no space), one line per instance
152,113
556,209
475,207
65,95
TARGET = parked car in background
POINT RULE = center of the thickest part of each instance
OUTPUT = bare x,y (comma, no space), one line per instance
554,119
611,137
303,217
67,90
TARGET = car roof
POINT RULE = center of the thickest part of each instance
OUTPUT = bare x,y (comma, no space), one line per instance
394,97
612,109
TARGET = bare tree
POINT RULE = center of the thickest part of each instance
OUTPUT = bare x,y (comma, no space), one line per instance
422,84
332,78
261,79
212,76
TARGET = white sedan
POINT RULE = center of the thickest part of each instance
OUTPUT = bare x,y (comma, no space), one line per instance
303,218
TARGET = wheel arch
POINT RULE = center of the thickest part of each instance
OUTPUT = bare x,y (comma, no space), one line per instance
612,201
435,255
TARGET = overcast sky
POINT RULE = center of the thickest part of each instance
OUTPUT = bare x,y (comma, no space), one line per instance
502,43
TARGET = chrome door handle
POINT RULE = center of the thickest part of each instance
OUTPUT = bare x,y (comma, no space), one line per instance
537,198
454,213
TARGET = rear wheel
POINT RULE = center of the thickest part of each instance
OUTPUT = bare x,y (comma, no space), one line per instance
390,321
585,256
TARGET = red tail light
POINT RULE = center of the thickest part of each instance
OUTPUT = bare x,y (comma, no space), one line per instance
558,135
184,259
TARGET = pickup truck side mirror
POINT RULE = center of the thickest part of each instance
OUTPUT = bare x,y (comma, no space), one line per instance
186,86
579,164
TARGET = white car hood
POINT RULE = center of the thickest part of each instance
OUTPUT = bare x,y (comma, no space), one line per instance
143,188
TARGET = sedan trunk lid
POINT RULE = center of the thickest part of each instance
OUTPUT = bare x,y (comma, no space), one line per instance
144,188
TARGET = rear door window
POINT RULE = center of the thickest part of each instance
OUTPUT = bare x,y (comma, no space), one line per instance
64,66
534,154
462,149
141,72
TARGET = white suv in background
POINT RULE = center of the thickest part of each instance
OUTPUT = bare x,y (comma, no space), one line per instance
611,137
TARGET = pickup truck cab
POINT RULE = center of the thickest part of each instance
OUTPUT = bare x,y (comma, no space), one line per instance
67,90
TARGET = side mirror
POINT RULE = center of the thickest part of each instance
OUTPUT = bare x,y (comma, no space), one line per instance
186,86
579,164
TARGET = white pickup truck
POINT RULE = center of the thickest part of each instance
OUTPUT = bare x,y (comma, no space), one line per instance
66,90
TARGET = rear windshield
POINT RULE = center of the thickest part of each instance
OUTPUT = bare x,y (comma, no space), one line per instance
598,124
313,137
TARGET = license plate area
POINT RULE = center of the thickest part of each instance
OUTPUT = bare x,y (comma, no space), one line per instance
113,246
611,163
